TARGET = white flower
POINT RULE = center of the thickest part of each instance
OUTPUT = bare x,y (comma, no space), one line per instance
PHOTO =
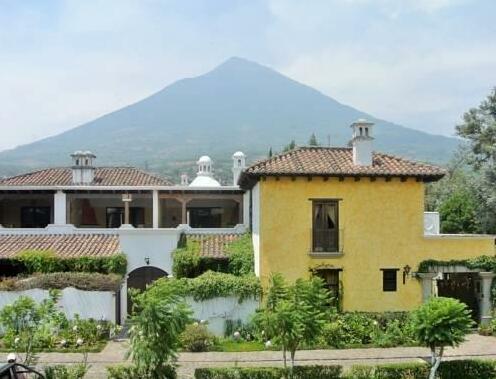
375,323
268,344
75,328
79,341
263,332
195,324
63,343
98,327
17,340
237,335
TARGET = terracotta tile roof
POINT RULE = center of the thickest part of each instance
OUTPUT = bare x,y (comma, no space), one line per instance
213,245
63,245
337,161
104,176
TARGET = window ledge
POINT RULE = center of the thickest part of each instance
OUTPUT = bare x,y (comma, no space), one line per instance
326,254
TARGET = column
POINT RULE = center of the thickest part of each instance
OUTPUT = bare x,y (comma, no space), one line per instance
426,278
184,216
156,209
59,208
485,303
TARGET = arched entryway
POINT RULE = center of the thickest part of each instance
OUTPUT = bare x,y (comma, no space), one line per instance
140,278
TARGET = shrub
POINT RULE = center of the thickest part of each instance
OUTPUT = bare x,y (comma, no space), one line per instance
316,372
157,322
45,261
241,257
299,372
76,371
463,369
60,280
210,285
188,263
239,373
467,369
127,372
197,338
439,323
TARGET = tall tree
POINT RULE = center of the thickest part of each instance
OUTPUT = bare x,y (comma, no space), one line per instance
270,152
313,140
479,128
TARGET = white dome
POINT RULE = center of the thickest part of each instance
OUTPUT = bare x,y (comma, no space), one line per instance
238,154
204,181
204,159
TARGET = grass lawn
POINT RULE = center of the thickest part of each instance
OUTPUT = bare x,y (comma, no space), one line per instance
230,346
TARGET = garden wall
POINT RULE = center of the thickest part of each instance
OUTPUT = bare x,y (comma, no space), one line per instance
216,311
87,304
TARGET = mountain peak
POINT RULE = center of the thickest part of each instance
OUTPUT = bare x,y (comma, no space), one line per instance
237,65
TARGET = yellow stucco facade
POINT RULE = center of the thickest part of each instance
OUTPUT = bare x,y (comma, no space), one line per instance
381,225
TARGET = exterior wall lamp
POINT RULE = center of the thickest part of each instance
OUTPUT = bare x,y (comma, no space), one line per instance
147,261
406,272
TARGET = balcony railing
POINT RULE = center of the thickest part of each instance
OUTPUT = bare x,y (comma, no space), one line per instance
326,242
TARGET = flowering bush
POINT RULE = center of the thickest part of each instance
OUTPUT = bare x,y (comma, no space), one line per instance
197,338
29,326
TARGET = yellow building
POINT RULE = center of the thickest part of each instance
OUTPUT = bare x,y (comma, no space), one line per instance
356,218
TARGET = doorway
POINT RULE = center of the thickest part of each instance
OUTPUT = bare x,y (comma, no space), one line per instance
139,279
463,287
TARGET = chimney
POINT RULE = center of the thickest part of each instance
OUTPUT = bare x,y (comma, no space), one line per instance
83,171
239,164
184,179
362,142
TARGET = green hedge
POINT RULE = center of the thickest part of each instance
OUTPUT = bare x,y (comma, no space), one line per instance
484,262
60,280
463,369
130,372
188,263
210,285
299,372
44,261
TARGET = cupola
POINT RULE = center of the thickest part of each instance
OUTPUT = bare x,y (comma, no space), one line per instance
239,164
204,175
83,171
362,142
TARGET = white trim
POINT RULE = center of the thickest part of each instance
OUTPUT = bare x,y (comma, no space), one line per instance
460,236
118,188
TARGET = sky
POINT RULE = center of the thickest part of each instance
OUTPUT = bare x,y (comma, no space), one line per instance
419,63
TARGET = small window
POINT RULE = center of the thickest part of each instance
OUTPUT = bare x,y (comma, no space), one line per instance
325,228
389,279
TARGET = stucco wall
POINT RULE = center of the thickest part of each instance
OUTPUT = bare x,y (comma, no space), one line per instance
217,311
98,305
382,227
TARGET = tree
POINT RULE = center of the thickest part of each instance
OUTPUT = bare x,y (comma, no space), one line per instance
313,140
159,319
479,128
270,152
294,314
439,323
290,146
458,213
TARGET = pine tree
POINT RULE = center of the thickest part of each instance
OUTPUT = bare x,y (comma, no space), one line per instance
313,140
270,152
290,146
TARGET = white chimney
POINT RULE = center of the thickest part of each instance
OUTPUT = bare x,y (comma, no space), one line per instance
83,171
239,164
184,179
362,142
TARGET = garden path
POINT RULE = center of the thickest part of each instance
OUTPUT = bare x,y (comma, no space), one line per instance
476,346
